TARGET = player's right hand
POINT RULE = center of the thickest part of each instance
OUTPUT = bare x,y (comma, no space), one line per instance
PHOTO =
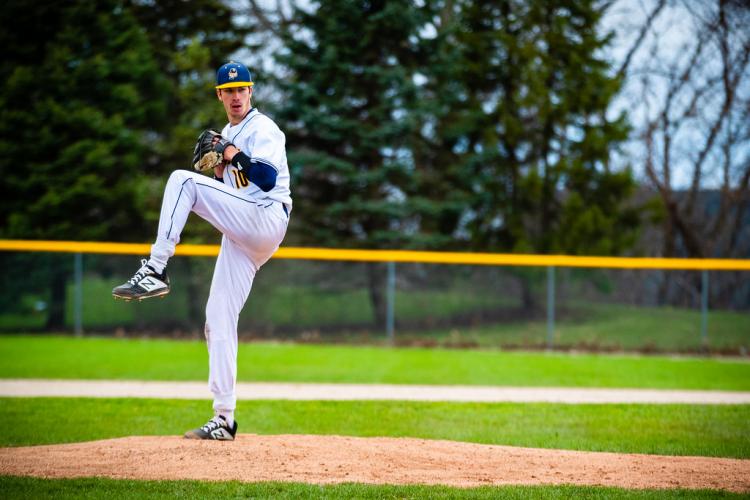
219,169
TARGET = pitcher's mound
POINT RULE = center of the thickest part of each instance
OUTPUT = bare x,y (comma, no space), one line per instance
339,459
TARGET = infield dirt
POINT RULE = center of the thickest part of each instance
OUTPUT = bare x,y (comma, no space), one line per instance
340,459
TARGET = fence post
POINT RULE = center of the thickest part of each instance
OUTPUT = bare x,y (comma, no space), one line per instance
390,302
78,294
550,306
704,308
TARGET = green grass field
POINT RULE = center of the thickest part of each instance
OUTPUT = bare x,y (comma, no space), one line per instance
700,430
109,358
724,430
612,326
13,487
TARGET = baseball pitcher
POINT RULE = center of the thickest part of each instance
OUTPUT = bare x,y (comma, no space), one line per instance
249,201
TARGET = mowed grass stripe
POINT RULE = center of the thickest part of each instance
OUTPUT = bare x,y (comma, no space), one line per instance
93,488
700,430
25,356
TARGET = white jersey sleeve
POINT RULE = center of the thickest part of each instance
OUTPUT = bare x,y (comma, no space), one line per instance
262,140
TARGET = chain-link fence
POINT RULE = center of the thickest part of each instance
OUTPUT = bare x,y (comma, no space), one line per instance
416,304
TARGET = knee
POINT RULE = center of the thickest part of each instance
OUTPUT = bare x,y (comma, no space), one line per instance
179,176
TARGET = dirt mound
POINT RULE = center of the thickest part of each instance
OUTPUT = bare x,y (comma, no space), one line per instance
338,459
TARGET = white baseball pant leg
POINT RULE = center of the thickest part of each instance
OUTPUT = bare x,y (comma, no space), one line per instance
230,286
252,233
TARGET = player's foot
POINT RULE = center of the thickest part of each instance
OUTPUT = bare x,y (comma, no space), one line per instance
217,429
144,284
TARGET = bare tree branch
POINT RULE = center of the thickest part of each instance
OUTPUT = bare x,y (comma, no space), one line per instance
641,37
729,87
276,25
695,131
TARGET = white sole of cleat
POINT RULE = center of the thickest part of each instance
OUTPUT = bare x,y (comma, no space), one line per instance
161,295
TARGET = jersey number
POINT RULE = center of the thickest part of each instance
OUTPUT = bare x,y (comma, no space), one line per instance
240,179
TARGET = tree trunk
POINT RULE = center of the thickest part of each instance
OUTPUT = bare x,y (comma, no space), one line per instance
528,301
668,250
56,308
376,282
196,309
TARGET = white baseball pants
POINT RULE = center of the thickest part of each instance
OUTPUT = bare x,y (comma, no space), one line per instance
253,231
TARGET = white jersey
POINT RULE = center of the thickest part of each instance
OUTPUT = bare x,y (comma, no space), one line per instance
261,139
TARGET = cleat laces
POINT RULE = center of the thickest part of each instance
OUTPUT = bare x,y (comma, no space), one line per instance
141,273
211,425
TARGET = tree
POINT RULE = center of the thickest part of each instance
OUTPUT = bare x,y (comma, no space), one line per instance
75,110
348,93
111,103
536,140
692,131
518,98
493,136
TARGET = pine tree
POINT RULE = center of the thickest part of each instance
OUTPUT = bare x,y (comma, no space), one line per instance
77,102
526,121
349,92
518,97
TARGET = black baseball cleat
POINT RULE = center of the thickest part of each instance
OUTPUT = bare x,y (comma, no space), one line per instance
144,284
217,429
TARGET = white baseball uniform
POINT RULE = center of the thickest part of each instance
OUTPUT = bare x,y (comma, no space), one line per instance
253,223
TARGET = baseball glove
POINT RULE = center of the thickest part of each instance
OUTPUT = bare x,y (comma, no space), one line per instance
209,150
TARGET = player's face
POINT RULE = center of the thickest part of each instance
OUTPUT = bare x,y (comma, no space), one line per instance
236,102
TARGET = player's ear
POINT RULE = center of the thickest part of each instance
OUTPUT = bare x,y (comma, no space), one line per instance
218,94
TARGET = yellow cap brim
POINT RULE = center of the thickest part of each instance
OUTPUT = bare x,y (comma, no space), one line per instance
234,84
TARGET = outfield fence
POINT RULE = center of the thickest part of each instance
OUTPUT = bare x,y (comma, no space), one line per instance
457,298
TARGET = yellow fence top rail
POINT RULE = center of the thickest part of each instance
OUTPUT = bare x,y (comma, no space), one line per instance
487,259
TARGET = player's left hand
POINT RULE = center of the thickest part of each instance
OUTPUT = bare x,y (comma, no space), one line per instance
209,150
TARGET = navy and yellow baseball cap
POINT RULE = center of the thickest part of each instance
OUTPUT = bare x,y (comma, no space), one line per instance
233,74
